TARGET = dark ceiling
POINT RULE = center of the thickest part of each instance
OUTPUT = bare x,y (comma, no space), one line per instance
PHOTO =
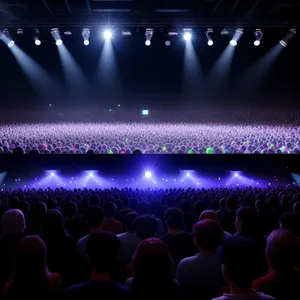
154,13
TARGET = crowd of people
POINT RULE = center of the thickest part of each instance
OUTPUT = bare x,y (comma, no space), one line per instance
222,243
198,132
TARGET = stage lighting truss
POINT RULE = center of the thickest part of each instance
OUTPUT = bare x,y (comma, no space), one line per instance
258,36
86,36
209,35
149,34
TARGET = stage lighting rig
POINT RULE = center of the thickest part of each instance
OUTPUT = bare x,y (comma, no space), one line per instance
149,34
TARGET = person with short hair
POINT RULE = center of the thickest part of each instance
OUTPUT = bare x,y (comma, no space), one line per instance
103,249
283,278
95,217
200,276
145,227
129,240
180,243
237,255
109,223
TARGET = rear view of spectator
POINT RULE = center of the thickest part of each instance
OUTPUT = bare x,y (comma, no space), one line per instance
237,255
95,217
283,279
200,276
102,250
30,276
180,243
120,215
74,226
12,231
109,223
153,272
145,227
129,240
60,245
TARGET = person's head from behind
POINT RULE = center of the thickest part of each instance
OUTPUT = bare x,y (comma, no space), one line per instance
208,235
210,215
13,222
290,221
222,203
23,206
103,249
30,260
174,218
143,208
109,210
70,209
95,217
53,225
129,221
238,256
281,250
145,226
232,203
40,209
296,206
152,260
248,222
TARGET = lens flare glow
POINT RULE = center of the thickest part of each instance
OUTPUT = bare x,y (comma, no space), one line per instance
187,36
148,174
107,35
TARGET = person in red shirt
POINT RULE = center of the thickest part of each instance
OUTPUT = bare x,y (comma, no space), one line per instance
109,223
30,276
283,279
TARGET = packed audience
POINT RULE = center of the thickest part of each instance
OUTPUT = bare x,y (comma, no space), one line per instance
198,132
220,244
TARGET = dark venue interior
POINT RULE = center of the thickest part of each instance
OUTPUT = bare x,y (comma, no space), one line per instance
150,149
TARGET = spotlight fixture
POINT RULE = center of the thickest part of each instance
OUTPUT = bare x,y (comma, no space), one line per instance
56,35
258,36
6,38
37,42
86,35
209,36
148,34
187,36
148,174
237,35
107,34
168,43
288,37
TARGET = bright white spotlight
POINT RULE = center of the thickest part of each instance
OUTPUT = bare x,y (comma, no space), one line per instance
236,174
148,174
283,43
210,43
256,43
91,174
10,44
168,43
86,35
38,42
233,43
86,42
188,174
107,35
58,42
148,43
52,174
187,36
